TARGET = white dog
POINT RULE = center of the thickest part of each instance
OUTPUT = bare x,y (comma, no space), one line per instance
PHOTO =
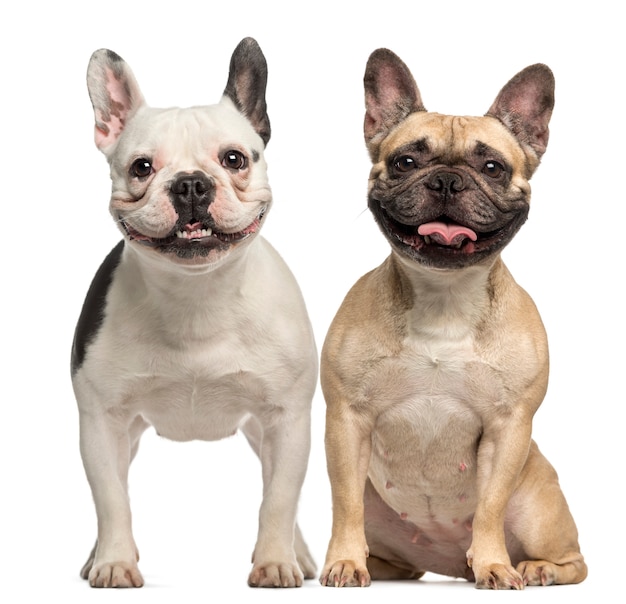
193,324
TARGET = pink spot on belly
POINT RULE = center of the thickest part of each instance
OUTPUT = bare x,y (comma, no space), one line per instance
462,466
421,539
404,515
388,484
462,497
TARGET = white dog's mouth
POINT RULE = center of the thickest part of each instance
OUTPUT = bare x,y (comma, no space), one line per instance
194,239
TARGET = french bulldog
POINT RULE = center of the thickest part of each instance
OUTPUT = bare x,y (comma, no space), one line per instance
193,324
436,361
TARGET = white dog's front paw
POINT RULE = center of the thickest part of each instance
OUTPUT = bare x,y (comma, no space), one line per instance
115,574
275,574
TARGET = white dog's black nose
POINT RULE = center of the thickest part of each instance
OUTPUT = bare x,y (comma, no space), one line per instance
191,194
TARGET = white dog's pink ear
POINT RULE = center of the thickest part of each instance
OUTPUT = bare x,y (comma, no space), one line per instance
247,81
391,94
525,106
114,94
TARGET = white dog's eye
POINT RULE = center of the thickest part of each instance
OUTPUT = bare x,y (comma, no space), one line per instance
234,160
141,168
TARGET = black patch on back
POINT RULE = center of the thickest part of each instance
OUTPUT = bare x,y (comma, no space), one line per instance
92,314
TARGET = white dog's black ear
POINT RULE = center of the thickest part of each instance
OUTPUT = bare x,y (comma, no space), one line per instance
391,94
525,106
114,94
247,81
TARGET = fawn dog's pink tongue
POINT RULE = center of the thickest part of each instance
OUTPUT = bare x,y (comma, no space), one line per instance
446,234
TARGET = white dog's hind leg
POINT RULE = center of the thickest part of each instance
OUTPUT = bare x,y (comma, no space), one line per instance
303,555
281,557
107,449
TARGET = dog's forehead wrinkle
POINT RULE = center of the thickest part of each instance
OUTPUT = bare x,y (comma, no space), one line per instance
185,138
418,146
430,128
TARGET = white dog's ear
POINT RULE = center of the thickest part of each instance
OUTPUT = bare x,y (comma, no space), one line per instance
391,94
525,106
114,94
247,81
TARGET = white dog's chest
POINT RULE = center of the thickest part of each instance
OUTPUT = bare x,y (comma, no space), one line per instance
203,389
196,362
185,394
197,406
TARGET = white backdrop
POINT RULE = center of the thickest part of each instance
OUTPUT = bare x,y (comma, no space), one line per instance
195,505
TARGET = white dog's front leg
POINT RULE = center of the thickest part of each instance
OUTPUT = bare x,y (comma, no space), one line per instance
283,449
107,451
